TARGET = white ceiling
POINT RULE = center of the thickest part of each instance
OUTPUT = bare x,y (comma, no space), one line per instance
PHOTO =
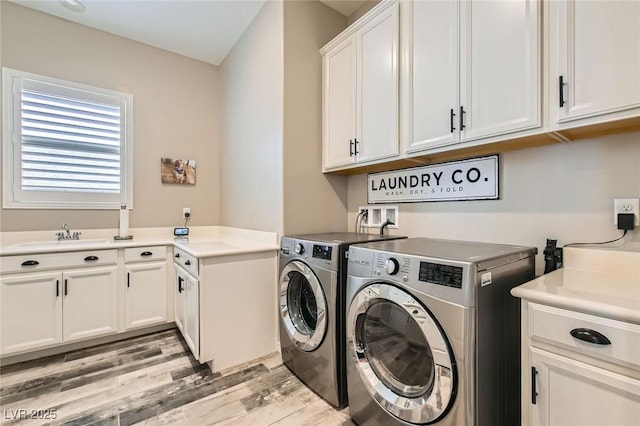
201,29
346,7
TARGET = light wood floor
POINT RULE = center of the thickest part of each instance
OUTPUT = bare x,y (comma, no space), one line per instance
154,380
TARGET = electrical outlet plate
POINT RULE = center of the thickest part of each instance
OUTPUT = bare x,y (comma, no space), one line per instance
626,205
377,215
186,211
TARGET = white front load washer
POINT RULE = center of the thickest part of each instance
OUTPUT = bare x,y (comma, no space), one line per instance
433,334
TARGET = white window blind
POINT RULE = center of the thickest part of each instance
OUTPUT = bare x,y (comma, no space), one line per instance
70,147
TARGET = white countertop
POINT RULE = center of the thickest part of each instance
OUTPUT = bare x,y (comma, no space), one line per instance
204,241
599,281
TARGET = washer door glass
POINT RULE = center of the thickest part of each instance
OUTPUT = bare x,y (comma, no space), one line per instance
401,354
397,349
302,306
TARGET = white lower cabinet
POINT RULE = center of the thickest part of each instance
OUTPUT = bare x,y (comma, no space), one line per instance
145,294
567,392
46,308
179,298
578,369
90,303
187,309
225,306
145,286
192,314
31,311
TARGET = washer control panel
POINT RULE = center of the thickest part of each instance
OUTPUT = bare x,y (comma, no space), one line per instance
437,273
390,265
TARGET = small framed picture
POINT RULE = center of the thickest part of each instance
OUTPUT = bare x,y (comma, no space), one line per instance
178,171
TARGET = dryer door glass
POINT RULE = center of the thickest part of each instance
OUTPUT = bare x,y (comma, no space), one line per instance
401,354
303,306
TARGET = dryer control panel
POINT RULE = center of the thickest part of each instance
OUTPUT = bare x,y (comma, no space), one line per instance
322,252
311,252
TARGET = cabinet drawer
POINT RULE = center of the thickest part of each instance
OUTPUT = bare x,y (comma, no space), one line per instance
187,261
37,262
556,325
142,254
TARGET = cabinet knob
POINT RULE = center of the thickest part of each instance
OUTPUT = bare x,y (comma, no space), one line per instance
177,255
30,263
91,258
188,262
146,253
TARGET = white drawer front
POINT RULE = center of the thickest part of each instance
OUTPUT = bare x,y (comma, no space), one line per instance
555,325
187,261
143,254
38,262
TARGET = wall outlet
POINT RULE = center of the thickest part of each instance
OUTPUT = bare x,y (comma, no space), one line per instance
376,216
626,205
186,212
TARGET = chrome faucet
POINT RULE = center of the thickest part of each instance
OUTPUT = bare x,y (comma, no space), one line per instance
67,235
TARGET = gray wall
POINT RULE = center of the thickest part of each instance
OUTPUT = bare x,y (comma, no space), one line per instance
562,191
176,114
252,116
313,202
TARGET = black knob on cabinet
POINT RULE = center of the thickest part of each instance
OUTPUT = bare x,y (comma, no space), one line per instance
391,266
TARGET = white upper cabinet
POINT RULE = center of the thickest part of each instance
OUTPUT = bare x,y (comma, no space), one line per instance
471,70
500,67
595,59
430,59
360,92
377,116
340,104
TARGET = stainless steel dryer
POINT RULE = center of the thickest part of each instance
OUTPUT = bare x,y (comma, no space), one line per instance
433,335
313,270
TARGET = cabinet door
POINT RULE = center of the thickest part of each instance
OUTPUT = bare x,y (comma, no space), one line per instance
90,302
597,45
180,298
574,393
146,294
500,67
429,43
377,104
31,311
339,110
192,316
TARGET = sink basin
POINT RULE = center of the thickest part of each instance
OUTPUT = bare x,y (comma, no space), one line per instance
56,243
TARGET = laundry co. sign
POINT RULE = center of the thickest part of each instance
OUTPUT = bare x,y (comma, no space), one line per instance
473,179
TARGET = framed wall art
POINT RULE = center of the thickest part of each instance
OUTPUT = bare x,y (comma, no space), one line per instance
178,171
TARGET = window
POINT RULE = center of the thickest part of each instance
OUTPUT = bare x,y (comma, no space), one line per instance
65,145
